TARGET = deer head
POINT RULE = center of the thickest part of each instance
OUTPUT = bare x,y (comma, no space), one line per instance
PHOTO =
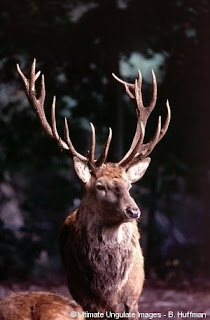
108,183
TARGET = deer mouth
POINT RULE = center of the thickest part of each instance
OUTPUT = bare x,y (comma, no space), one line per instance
133,213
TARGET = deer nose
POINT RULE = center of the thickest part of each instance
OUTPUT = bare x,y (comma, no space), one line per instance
133,213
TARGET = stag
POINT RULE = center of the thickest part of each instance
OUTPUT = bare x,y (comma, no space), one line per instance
39,306
99,242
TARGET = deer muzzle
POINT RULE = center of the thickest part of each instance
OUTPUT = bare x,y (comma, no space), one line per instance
133,213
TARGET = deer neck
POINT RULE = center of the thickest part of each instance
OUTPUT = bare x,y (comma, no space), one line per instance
88,219
118,233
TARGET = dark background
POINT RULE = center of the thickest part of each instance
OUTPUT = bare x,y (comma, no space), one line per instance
78,44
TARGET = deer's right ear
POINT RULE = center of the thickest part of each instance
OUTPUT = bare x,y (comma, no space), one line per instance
82,170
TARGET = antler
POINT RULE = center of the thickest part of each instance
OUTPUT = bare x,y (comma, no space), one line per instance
138,150
38,105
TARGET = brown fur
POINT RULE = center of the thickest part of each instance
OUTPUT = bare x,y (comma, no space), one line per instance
38,306
100,246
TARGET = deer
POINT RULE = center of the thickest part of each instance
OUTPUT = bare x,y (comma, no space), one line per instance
38,305
99,241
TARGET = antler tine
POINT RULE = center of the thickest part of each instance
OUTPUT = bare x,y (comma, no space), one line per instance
127,85
150,145
53,120
91,155
167,121
71,148
32,79
146,148
25,80
105,150
154,93
56,136
138,94
42,91
136,144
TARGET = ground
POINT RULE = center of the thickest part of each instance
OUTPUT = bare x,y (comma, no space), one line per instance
158,297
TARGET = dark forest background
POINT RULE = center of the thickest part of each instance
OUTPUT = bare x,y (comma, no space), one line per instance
78,44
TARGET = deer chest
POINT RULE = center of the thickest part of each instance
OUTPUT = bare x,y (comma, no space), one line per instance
106,262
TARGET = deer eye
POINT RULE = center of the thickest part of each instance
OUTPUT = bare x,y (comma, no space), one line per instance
99,186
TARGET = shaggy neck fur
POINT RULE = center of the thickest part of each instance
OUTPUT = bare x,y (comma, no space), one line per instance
106,251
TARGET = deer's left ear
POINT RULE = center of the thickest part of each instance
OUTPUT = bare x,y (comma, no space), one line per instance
135,172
